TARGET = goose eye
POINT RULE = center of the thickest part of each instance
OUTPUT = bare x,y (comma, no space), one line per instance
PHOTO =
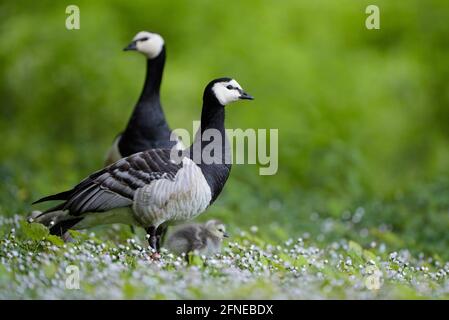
229,87
143,39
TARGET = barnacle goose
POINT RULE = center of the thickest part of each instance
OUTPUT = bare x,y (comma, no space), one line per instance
150,188
147,127
205,238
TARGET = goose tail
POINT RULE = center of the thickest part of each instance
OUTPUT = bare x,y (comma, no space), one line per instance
58,221
59,196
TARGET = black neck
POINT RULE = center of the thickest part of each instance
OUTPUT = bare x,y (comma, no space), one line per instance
147,127
212,117
155,69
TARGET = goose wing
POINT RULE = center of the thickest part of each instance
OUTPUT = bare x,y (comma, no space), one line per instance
115,186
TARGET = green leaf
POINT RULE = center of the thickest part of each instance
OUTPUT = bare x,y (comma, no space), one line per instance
129,291
34,231
355,248
368,255
300,261
49,270
355,251
55,240
78,236
195,260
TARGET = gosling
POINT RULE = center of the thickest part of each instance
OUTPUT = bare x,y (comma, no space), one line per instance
205,238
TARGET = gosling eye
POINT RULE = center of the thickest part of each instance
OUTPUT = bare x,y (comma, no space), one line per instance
229,87
143,39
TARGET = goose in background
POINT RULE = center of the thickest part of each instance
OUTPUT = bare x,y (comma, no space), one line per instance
204,238
150,189
147,127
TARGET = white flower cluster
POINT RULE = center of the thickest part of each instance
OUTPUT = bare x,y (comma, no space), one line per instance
247,268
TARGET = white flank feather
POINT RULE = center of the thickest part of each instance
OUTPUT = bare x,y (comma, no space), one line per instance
181,199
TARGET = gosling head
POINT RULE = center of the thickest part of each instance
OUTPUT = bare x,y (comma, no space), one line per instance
217,229
226,90
147,43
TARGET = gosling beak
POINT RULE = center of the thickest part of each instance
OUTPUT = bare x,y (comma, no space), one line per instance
226,235
245,96
131,46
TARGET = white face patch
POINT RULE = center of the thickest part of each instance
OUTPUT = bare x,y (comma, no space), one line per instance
227,91
150,44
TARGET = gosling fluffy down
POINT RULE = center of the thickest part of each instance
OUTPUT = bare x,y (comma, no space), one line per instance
204,238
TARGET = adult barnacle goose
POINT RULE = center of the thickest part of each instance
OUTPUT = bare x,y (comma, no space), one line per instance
151,189
147,127
205,238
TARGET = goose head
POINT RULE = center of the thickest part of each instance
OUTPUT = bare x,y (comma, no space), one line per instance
227,90
147,43
217,229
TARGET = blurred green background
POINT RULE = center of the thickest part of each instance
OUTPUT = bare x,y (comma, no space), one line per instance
362,114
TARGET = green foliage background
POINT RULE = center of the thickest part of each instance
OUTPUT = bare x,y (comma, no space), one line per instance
362,114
